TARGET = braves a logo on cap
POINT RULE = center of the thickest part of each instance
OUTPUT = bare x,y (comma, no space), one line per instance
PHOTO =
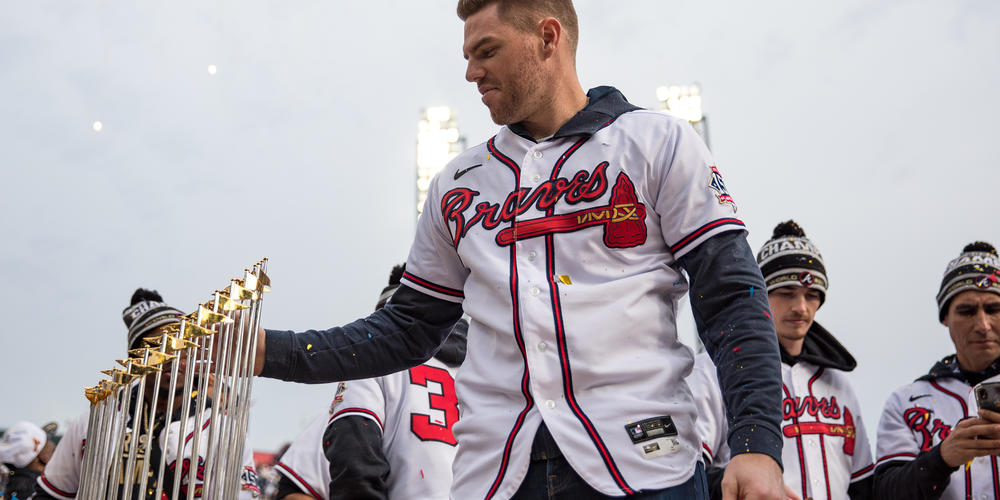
985,280
806,279
716,183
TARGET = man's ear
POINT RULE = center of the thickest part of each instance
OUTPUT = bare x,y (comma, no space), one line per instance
551,33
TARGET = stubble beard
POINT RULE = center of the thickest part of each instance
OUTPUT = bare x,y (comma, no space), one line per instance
521,96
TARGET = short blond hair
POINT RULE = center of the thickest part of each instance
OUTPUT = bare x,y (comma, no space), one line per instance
525,14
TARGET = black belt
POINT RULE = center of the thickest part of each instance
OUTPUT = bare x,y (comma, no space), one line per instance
544,446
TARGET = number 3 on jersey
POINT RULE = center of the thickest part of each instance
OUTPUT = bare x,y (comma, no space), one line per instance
421,425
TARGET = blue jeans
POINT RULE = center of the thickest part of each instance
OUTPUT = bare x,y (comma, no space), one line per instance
551,477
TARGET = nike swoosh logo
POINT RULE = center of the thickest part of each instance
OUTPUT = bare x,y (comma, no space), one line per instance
914,398
463,172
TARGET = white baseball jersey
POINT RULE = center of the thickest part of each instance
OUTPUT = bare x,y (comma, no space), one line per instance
564,254
62,474
826,446
414,409
918,416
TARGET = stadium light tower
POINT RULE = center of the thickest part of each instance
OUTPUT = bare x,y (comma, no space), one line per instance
438,141
685,101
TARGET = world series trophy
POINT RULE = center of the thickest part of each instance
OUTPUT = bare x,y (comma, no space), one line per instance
204,448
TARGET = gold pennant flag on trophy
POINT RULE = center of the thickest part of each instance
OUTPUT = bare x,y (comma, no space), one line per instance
207,316
157,358
175,344
239,293
141,369
192,331
228,304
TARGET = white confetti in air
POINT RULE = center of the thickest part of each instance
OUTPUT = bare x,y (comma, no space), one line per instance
97,126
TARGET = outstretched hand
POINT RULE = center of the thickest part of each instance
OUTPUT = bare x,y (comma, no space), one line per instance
754,476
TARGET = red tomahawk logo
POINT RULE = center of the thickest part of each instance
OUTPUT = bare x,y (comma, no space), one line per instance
846,431
623,218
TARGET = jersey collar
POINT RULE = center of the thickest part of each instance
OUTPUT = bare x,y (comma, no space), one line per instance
948,368
604,105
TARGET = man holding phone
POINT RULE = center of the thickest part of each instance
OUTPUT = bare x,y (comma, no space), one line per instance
931,442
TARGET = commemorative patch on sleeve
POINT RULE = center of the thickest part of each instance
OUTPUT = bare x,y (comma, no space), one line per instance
719,186
654,437
338,398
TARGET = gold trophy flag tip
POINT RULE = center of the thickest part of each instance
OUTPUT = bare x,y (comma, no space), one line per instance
194,331
139,352
139,369
157,358
263,278
228,304
210,317
236,290
175,344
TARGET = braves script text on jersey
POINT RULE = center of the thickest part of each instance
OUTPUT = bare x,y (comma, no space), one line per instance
415,410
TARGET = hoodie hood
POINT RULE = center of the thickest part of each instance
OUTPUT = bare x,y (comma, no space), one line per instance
948,367
821,348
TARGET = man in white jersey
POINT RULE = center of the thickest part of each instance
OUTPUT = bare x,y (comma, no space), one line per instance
383,438
565,239
145,317
826,453
932,443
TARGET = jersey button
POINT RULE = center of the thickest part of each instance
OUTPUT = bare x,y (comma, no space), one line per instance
536,178
550,404
532,254
542,347
535,291
537,154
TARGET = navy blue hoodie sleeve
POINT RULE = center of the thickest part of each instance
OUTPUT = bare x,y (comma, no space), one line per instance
358,468
733,317
403,334
924,478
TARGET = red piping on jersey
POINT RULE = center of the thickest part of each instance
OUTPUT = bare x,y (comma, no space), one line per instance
965,412
702,230
896,455
996,480
298,479
433,286
862,471
529,402
798,443
711,455
561,340
355,410
203,427
55,490
822,444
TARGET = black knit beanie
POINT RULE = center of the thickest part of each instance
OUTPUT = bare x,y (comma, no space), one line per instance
146,312
977,268
790,259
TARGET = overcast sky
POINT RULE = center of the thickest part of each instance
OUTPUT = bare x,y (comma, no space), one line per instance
873,124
